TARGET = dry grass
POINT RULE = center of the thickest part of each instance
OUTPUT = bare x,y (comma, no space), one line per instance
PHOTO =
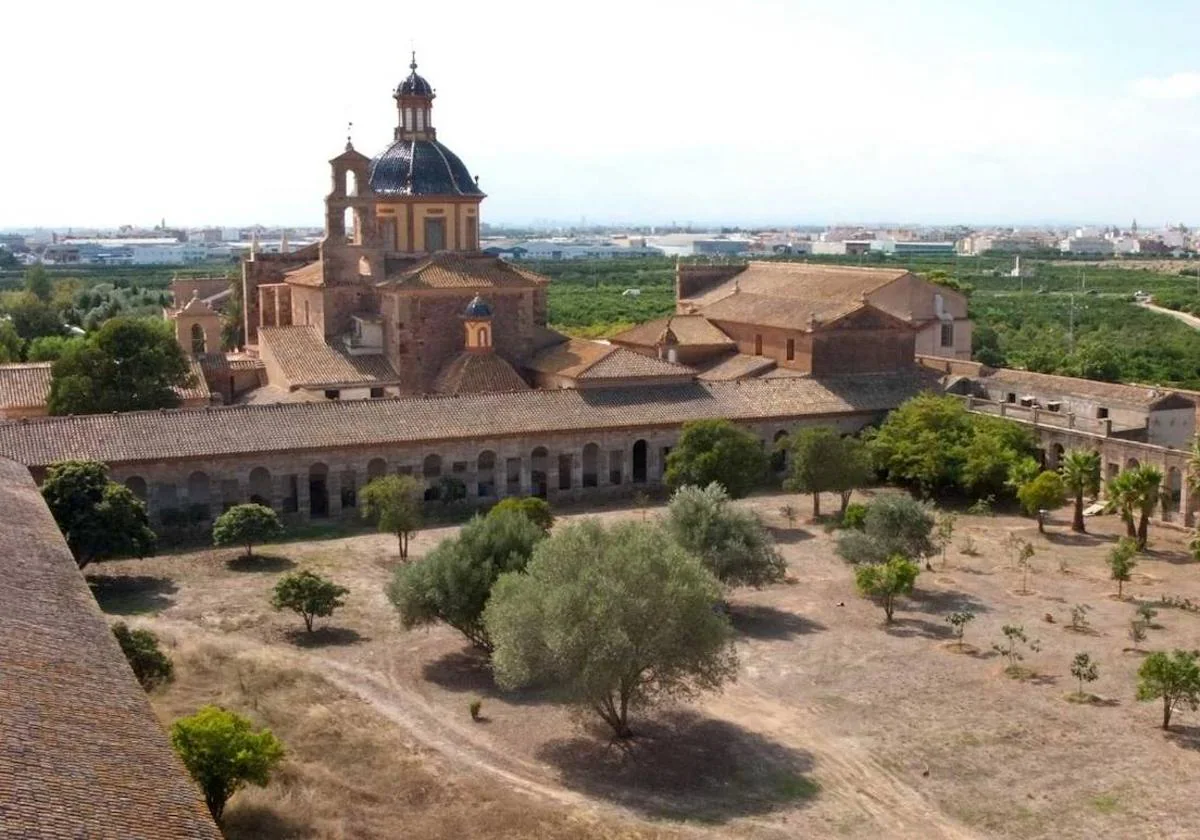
837,726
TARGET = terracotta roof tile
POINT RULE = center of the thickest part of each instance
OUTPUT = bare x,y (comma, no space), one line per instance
456,271
1027,382
736,366
308,361
787,313
237,430
478,373
626,364
570,358
688,330
24,385
312,274
803,281
82,754
27,385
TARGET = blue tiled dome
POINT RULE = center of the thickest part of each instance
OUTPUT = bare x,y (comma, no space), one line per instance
414,85
478,308
421,167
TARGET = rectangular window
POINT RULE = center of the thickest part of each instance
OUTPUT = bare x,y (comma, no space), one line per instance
1101,413
1011,397
333,394
435,235
947,335
472,243
376,393
757,345
791,349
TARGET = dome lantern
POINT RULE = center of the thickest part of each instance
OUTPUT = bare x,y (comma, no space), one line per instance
414,103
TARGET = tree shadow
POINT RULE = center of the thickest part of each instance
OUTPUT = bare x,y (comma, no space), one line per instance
946,601
262,563
1070,538
133,594
1175,558
260,822
788,536
908,627
469,671
759,621
1187,737
681,765
325,637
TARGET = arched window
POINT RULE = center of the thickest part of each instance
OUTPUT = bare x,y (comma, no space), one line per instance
351,183
377,468
420,119
199,345
485,467
137,486
348,225
483,337
539,466
260,486
408,118
591,465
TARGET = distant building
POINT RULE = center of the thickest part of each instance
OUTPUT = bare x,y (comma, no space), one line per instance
1077,245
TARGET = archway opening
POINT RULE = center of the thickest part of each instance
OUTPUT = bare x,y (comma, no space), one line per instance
376,468
260,486
485,473
318,491
639,462
538,466
779,453
566,463
591,465
137,486
198,495
431,470
199,344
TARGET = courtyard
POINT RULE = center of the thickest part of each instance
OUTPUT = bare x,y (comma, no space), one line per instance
837,725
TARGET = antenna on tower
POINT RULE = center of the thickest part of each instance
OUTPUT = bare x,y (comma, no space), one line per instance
349,132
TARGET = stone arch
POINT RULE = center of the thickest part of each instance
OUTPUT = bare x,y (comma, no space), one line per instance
485,473
318,491
199,491
640,457
1172,490
199,340
779,452
539,465
591,465
566,465
351,186
1132,464
431,471
376,468
260,486
137,486
1056,455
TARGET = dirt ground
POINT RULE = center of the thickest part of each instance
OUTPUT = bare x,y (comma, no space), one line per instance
838,725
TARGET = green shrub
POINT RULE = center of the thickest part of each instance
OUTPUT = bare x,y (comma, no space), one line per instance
150,665
855,516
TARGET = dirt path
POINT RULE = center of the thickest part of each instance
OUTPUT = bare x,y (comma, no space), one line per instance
846,773
1191,320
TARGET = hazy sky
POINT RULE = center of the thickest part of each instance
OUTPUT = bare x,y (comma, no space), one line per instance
749,111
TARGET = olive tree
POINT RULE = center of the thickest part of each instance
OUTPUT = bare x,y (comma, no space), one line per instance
1175,678
612,620
393,503
246,525
1044,492
894,524
822,461
222,752
717,450
884,582
309,595
532,508
452,583
732,543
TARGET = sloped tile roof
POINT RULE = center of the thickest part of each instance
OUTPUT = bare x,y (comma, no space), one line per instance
459,271
626,364
478,373
786,313
239,430
27,385
83,755
803,281
312,274
1025,382
24,385
224,363
570,358
688,329
736,366
308,361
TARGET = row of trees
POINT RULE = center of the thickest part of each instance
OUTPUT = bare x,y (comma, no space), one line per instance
608,618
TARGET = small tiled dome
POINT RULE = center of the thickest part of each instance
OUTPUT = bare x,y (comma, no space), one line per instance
478,308
414,85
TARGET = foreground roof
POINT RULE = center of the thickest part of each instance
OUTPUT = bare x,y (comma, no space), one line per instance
27,385
579,358
306,360
244,429
83,755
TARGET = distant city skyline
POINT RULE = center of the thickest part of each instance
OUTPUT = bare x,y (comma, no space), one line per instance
766,113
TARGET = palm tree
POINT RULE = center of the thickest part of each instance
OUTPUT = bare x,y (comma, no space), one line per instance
1135,493
1080,470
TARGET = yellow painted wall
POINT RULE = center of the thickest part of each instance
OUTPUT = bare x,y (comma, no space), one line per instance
456,222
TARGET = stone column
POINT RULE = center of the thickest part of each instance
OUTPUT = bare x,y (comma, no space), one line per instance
576,470
653,462
552,475
303,502
333,487
526,476
602,467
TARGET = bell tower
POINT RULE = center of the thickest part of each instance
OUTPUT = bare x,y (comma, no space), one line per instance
414,106
477,321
